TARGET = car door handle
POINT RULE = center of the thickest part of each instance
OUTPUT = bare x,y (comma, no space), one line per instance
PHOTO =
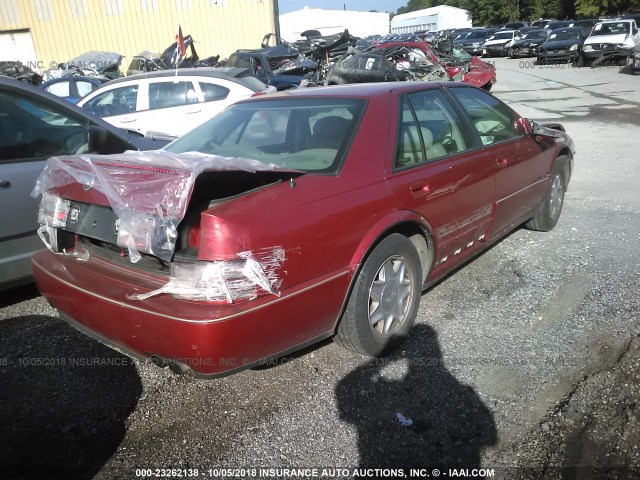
195,110
420,189
5,184
502,162
128,119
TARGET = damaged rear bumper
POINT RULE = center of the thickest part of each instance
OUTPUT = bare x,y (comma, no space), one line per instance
210,339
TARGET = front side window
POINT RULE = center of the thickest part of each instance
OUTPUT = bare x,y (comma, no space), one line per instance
303,134
493,120
60,89
32,129
85,88
117,101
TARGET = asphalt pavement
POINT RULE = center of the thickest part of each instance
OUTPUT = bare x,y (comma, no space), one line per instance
527,360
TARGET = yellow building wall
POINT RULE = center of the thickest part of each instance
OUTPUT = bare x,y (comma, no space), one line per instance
219,27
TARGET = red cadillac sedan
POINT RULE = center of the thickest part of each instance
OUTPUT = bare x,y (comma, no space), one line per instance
292,218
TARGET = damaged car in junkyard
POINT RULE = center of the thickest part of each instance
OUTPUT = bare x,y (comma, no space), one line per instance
96,64
290,218
171,58
563,45
18,71
410,61
609,42
528,44
280,66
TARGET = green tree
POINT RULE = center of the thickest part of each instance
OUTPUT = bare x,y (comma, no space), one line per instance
593,8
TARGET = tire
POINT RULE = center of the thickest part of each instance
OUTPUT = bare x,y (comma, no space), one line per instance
374,323
487,86
512,53
548,213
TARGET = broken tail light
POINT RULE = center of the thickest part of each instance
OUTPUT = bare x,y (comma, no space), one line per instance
54,210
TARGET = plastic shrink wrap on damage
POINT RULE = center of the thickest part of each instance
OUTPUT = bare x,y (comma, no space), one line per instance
148,191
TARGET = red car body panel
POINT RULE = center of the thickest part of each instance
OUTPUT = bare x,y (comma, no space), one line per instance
326,224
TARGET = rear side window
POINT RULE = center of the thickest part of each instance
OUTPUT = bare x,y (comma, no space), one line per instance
213,92
429,129
117,101
493,120
171,94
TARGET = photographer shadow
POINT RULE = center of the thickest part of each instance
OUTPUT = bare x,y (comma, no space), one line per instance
442,423
64,400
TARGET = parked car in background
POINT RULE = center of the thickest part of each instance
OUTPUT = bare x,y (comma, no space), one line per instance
558,24
515,25
562,45
527,45
140,63
472,41
398,61
35,125
170,102
498,44
97,64
427,36
586,25
72,88
339,207
264,64
609,41
541,22
524,30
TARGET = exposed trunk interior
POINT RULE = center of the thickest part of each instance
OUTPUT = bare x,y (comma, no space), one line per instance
210,189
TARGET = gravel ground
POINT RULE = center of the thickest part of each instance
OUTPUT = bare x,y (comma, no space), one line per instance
526,360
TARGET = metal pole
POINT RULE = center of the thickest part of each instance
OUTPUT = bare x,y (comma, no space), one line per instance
276,21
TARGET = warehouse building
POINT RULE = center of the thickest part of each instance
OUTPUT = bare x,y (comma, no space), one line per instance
42,32
442,17
328,22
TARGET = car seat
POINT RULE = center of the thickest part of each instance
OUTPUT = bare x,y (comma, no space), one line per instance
328,132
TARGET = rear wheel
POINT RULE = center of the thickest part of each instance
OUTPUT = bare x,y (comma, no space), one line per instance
549,211
487,86
384,302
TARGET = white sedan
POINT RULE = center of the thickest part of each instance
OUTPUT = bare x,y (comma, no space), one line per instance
170,103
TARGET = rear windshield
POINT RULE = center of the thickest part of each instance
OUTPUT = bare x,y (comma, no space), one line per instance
311,135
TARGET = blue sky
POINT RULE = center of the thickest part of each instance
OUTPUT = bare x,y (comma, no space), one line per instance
362,5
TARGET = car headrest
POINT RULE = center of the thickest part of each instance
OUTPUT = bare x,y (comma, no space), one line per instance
427,136
330,127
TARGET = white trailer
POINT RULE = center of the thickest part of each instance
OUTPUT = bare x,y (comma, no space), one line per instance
329,22
432,19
